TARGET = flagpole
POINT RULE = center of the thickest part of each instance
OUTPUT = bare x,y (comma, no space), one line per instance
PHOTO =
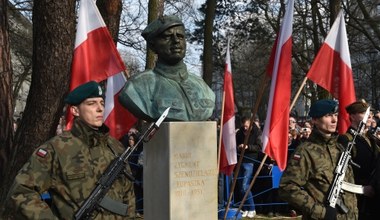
251,184
237,168
263,160
221,128
298,93
127,73
266,156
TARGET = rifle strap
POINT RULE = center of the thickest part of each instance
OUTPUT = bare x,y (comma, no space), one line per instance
114,206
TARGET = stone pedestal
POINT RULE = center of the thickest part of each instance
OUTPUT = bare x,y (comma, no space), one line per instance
180,172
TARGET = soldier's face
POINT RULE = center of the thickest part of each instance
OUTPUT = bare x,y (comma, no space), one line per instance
90,111
358,117
327,124
170,45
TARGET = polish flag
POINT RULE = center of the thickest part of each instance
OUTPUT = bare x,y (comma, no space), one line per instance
96,58
276,128
228,157
331,69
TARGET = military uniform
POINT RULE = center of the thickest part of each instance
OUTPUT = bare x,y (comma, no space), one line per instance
148,94
305,183
68,167
376,185
364,153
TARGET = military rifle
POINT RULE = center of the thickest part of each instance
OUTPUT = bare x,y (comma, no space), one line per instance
116,167
339,184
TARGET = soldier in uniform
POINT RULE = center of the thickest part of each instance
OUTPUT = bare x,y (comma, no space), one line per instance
309,175
364,153
376,185
148,94
68,166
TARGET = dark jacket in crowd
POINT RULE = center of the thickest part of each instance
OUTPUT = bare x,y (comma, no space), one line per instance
254,143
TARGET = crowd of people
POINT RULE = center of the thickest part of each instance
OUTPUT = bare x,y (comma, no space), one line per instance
314,150
69,165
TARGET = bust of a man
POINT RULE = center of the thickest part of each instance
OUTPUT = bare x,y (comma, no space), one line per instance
148,94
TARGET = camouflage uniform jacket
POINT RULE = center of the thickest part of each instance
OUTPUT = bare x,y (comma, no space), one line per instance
306,181
68,167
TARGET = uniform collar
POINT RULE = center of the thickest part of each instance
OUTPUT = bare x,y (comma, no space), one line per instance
176,72
88,135
317,136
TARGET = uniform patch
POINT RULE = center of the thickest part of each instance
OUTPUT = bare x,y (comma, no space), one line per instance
296,157
41,153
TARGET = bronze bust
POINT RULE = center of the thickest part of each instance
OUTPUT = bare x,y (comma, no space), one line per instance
148,94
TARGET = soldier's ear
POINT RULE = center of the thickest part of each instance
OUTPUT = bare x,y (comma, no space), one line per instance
74,110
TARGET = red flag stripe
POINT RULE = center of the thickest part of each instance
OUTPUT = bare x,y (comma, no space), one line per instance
279,124
228,157
96,58
275,134
332,71
118,118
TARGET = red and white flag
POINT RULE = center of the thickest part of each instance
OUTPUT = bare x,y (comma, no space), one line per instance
331,69
228,157
276,128
96,58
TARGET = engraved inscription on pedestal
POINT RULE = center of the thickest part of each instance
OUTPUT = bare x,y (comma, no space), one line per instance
182,159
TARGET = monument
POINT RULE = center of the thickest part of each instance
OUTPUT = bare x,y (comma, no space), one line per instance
180,162
148,94
180,172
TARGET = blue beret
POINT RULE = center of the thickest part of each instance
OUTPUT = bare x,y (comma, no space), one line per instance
323,107
88,90
159,25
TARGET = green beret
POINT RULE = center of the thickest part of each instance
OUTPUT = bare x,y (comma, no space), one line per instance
159,25
88,90
357,107
323,107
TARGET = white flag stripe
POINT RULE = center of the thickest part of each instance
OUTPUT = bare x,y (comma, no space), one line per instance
230,143
114,84
285,34
339,43
89,19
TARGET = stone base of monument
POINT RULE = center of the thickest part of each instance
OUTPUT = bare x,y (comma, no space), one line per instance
180,172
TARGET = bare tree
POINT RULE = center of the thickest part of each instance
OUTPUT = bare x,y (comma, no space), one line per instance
6,98
111,12
208,63
53,42
155,9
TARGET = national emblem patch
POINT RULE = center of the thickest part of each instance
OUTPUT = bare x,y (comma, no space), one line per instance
296,157
41,152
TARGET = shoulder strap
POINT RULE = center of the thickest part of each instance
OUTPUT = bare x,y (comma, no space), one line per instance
349,136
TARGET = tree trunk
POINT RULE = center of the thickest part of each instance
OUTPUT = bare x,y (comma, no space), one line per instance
53,43
155,9
334,10
207,47
111,12
6,100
